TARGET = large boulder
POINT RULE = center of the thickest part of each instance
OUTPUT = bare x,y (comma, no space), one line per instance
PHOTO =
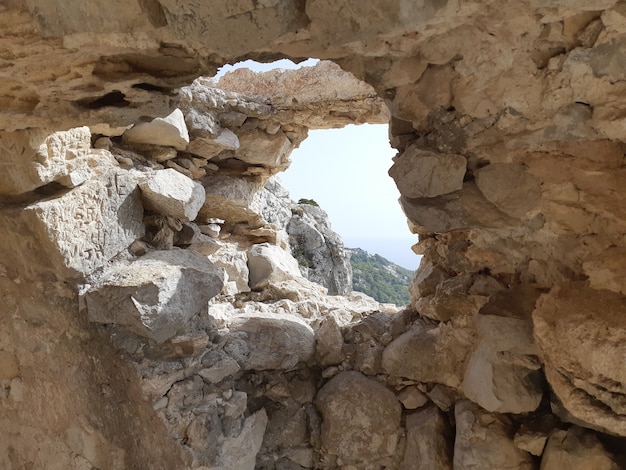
265,341
581,333
445,348
154,296
361,419
502,374
484,440
73,233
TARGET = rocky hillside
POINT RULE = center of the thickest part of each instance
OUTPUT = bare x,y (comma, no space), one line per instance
379,278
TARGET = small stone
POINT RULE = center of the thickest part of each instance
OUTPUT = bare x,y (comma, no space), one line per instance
212,230
236,404
411,398
76,177
225,367
428,441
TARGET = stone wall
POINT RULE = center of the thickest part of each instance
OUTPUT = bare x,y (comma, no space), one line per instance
153,317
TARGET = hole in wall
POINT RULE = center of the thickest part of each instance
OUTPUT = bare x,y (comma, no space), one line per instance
345,172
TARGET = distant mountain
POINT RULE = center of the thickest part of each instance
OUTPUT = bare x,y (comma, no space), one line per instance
379,278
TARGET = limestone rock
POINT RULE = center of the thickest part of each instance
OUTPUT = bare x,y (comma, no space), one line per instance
576,449
510,188
209,148
262,342
361,419
172,194
234,262
502,374
428,441
412,398
445,347
219,367
234,200
320,251
268,264
258,148
35,158
580,333
65,235
329,342
483,440
151,296
419,173
170,131
606,270
239,452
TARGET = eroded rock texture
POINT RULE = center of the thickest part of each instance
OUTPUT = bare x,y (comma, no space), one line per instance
154,315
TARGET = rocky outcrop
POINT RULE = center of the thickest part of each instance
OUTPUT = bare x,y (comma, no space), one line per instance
508,121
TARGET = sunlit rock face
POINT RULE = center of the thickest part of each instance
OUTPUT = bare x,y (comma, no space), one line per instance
508,118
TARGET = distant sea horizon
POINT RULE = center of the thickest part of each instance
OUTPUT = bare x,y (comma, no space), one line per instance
397,249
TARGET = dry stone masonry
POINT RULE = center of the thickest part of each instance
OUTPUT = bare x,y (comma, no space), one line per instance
165,305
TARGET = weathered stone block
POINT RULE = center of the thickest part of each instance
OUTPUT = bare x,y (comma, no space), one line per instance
34,158
445,348
269,264
170,131
428,441
77,232
272,342
155,295
420,173
581,333
483,440
361,418
172,194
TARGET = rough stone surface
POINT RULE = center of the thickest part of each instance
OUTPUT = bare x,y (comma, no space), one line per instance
155,295
420,173
172,194
261,342
269,264
483,440
445,348
502,374
360,419
427,441
169,131
33,158
73,233
576,449
580,334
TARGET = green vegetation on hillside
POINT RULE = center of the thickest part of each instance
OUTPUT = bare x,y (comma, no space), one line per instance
380,278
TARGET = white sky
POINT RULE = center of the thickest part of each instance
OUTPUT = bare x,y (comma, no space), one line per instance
345,171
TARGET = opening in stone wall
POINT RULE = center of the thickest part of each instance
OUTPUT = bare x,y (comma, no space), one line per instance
343,171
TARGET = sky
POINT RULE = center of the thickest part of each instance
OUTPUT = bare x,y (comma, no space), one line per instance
345,172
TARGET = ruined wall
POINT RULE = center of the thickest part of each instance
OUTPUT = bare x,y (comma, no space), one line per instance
508,121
